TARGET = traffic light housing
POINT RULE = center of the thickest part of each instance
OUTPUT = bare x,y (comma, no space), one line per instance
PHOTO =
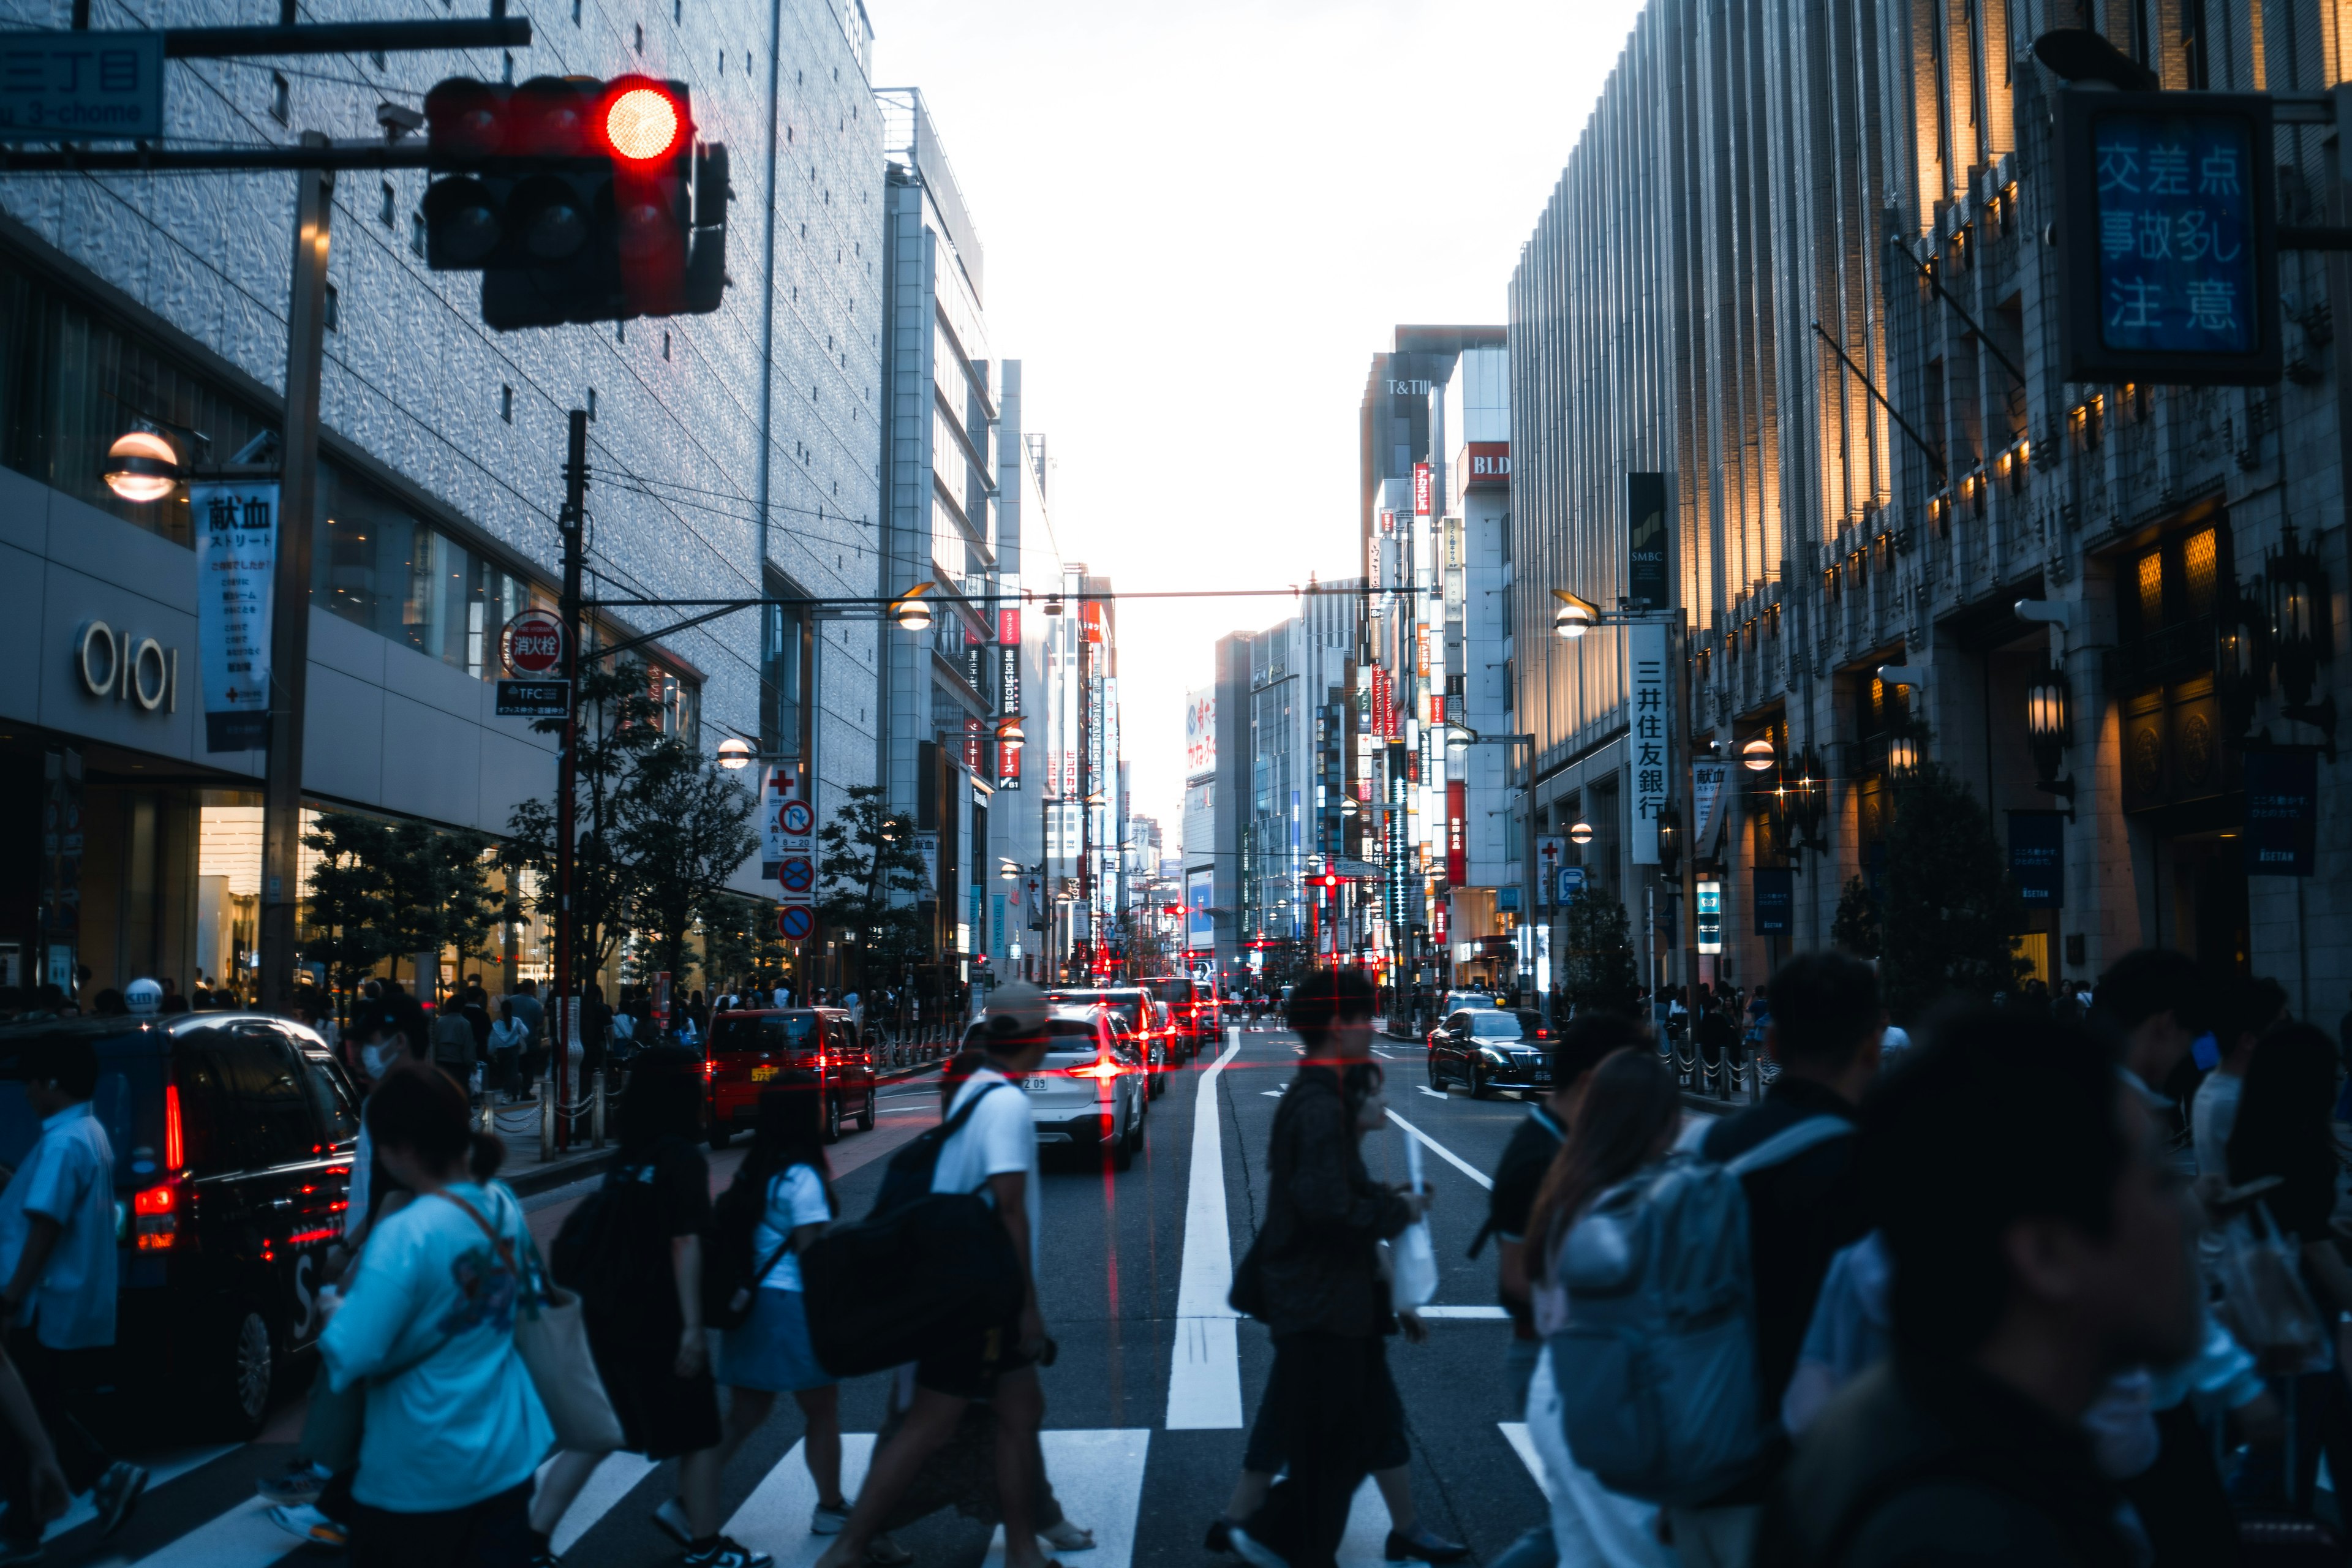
577,200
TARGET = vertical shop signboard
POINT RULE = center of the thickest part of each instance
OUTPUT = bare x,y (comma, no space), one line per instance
237,567
2282,813
1645,655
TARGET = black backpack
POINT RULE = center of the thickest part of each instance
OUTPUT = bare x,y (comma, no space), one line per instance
612,1251
730,1275
923,1264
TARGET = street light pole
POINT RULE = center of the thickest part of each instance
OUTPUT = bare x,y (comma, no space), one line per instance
290,607
570,522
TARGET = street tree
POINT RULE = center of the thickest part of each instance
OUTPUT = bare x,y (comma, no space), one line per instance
1597,967
869,873
349,908
388,890
683,828
1855,928
1952,913
739,938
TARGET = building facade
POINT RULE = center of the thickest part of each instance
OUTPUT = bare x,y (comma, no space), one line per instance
1800,271
732,455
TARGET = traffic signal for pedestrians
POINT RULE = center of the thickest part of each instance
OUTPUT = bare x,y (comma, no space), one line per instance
577,200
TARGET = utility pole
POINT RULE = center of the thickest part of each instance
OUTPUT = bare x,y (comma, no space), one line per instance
289,607
570,522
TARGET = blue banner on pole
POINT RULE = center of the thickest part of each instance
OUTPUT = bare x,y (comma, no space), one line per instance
1776,899
2037,858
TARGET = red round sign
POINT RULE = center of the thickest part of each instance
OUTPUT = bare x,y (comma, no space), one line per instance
532,643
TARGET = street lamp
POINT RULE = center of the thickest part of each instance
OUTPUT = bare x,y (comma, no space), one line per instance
1575,616
1902,753
909,610
2302,631
734,753
1008,734
1756,757
2045,726
1581,834
141,466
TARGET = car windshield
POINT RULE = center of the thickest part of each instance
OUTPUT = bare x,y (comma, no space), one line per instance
1128,1002
743,1032
1175,992
1490,1025
1468,999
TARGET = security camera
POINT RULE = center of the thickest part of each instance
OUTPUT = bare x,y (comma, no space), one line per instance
398,120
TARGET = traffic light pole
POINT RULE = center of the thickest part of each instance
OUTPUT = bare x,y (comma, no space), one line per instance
570,522
289,608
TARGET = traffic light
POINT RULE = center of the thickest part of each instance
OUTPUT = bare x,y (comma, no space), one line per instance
577,200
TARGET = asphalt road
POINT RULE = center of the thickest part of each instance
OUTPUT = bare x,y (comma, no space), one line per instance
1146,1402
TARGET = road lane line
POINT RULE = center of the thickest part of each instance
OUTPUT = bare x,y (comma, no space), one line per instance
1432,1093
1098,1480
1474,1312
1205,1378
611,1482
1523,1444
1442,1153
162,1471
775,1517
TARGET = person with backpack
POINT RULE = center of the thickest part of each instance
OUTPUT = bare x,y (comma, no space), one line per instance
989,1146
1313,1278
455,1050
2060,1258
454,1429
635,1258
1823,1027
781,1200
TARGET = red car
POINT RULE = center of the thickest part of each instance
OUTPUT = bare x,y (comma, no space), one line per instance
1194,1005
753,1052
1147,1025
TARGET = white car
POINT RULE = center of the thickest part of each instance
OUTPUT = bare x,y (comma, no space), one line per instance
1090,1090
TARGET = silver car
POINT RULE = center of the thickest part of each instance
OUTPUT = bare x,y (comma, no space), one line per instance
1090,1090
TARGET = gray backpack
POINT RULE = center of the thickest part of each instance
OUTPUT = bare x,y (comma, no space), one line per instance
1659,1392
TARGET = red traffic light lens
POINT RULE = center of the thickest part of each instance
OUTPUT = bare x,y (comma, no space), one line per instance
641,122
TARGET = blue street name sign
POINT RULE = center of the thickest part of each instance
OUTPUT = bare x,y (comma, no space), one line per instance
83,87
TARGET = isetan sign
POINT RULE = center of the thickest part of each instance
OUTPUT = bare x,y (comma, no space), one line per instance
1487,466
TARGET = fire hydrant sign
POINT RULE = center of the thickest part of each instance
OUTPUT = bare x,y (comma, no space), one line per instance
236,559
82,86
532,645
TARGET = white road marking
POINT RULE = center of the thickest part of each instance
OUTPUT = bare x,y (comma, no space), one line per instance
1523,1444
161,1469
1367,1538
608,1485
1099,1479
1433,1093
775,1517
1205,1383
1480,1313
241,1538
1270,1093
1442,1153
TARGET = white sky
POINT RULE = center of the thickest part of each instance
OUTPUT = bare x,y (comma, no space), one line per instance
1201,220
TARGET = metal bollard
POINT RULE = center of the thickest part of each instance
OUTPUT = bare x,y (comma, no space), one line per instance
596,1111
547,1120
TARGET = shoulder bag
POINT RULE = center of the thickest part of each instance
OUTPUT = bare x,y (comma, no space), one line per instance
552,1337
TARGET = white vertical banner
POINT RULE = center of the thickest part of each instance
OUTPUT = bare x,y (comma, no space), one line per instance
1645,661
1707,798
236,562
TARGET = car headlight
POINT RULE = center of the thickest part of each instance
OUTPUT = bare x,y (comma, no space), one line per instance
1492,1055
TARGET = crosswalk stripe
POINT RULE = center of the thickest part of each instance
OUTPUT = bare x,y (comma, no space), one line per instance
613,1480
1479,1313
241,1538
1099,1477
1523,1444
161,1471
1204,1379
775,1517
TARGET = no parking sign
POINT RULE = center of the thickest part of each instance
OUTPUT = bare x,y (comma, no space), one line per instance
788,847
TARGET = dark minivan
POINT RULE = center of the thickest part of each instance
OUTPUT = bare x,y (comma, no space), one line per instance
233,1137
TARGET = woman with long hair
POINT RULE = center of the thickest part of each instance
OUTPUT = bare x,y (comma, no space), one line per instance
770,1353
453,1422
1631,1112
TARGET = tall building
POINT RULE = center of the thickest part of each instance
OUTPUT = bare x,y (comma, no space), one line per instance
732,455
1401,763
1300,671
1804,310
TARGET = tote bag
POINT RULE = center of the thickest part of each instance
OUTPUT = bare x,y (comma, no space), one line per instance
552,1337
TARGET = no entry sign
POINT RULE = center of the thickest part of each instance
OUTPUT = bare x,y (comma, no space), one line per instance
532,643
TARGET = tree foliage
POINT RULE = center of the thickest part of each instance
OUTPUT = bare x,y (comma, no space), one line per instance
739,938
393,889
1597,966
869,873
1856,926
1952,913
681,827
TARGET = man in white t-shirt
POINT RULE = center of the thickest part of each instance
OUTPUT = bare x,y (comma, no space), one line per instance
993,1152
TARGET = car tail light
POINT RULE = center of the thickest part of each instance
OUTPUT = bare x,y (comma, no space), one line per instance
175,1143
155,1218
1103,1071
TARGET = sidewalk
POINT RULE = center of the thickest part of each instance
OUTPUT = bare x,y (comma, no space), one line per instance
526,1172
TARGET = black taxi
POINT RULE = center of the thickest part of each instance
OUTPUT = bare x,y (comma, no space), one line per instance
233,1137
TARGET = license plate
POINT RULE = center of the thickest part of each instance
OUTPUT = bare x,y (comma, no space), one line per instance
762,1074
1036,1083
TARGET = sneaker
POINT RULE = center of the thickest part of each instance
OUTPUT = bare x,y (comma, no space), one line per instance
302,1484
1221,1538
1422,1544
724,1553
116,1494
1063,1536
829,1521
1257,1554
306,1523
884,1551
671,1517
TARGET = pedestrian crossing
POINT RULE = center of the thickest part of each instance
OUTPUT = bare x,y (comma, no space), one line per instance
1099,1476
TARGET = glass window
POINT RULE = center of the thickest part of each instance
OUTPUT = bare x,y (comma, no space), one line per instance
1491,1025
330,1102
259,1065
379,565
212,1133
